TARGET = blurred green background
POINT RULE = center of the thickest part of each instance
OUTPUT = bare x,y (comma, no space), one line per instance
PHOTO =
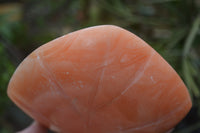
169,26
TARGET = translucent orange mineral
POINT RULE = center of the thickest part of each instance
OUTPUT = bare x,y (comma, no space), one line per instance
101,79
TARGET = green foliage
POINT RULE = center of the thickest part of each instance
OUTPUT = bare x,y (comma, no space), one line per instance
6,69
6,66
189,70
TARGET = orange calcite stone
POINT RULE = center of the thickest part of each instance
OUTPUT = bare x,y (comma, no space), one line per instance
101,79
